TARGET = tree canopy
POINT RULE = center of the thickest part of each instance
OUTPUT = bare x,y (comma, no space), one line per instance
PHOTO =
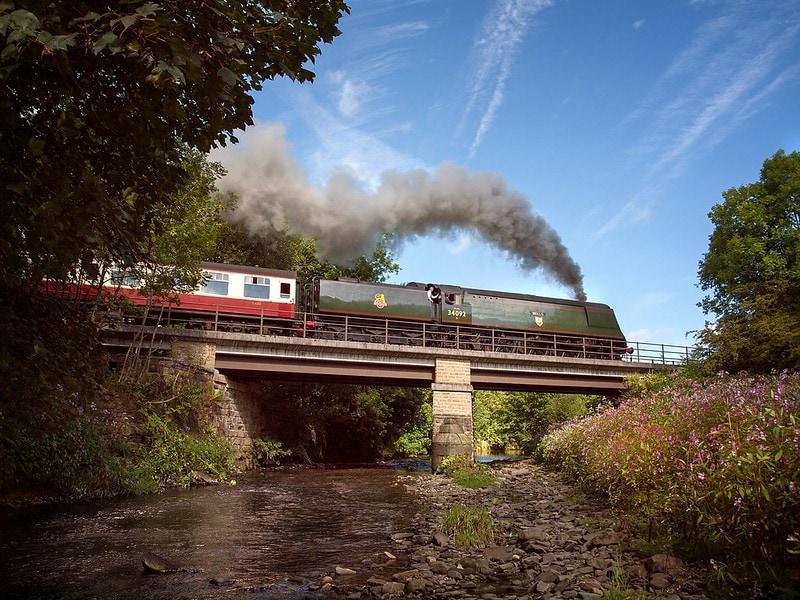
280,249
100,100
752,273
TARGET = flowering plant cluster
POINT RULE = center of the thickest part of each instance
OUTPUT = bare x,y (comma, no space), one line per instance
715,462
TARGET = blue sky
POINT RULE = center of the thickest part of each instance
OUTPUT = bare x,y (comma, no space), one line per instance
608,128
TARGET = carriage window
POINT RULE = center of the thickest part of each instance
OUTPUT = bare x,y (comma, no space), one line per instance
216,284
124,278
256,287
286,291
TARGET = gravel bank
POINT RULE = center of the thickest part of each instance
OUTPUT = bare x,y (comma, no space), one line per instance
551,542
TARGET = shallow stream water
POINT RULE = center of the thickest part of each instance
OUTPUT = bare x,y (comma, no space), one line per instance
268,536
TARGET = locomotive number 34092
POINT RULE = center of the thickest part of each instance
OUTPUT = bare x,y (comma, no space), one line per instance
456,313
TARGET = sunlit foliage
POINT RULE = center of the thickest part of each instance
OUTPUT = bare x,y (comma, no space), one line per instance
716,464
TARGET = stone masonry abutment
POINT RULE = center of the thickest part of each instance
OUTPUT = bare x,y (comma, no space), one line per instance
239,415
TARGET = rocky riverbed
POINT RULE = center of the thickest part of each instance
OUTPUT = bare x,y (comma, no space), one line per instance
551,542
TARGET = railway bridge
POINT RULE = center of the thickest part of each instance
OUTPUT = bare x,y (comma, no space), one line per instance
237,361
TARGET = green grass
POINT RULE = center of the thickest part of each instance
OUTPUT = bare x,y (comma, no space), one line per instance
469,527
465,472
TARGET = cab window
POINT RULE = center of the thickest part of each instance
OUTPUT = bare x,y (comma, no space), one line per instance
286,291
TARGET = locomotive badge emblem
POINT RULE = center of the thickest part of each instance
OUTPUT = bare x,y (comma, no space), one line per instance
538,318
380,301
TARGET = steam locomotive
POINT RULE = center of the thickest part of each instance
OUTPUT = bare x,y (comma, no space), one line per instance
269,301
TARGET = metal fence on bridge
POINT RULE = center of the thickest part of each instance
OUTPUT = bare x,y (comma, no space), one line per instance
659,354
456,337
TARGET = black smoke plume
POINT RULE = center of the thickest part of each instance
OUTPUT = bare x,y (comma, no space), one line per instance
346,221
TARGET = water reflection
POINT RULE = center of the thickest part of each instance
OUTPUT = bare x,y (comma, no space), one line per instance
269,529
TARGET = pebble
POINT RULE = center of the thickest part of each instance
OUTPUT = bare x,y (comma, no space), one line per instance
551,542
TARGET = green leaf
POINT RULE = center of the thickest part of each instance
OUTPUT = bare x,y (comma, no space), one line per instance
228,76
104,42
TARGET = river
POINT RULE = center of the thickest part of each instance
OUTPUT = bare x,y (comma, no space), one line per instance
268,536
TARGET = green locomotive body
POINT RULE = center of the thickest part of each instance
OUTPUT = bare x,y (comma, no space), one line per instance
356,298
465,306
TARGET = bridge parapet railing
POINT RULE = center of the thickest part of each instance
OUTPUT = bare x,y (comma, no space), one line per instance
464,337
658,354
433,335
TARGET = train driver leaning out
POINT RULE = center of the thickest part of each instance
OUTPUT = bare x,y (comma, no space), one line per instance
435,298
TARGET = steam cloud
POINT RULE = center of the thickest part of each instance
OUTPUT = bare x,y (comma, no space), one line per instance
346,221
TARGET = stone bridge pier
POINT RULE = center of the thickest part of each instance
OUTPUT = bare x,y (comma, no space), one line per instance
452,411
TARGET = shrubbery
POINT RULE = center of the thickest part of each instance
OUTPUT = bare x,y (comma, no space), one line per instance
171,457
715,464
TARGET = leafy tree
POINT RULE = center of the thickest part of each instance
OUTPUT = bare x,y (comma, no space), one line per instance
524,420
187,230
281,249
341,423
486,427
752,271
518,420
237,247
99,100
416,439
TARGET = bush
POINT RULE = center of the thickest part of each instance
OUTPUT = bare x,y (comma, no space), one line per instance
169,457
269,452
717,464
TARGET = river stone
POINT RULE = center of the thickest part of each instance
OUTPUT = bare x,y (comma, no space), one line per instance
344,571
659,581
532,533
548,576
203,478
499,553
439,567
542,587
416,584
405,575
663,563
441,539
603,539
392,588
455,574
157,564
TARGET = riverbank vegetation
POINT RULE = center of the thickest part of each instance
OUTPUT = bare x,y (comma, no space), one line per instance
464,471
711,468
75,429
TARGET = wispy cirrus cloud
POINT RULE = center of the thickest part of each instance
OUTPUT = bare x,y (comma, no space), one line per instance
736,62
494,51
374,55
